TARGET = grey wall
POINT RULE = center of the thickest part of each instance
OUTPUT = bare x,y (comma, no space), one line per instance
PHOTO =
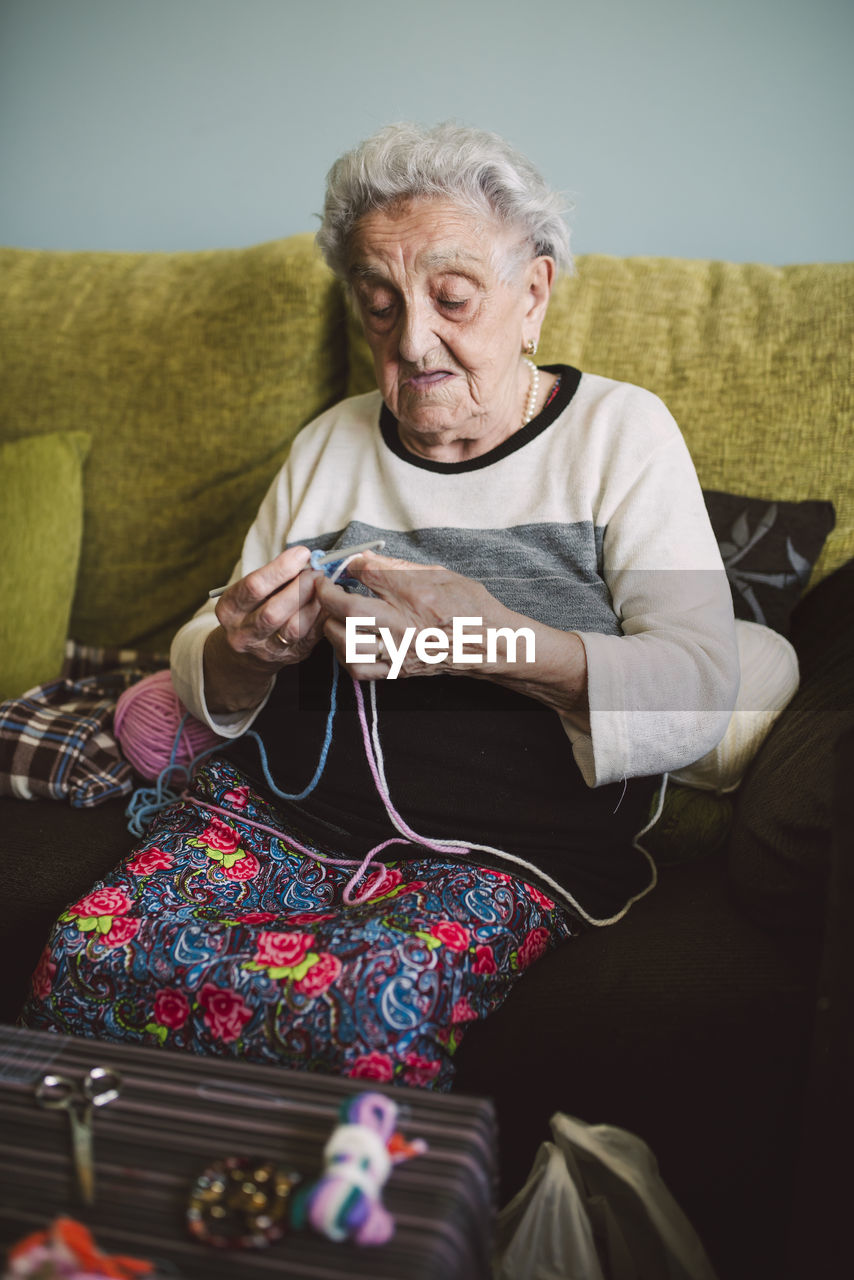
704,128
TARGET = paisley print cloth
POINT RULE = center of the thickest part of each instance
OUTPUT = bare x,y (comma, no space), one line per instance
216,937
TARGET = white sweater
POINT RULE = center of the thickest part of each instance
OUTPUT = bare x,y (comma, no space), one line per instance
590,519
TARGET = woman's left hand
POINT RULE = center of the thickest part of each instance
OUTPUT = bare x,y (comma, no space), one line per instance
407,628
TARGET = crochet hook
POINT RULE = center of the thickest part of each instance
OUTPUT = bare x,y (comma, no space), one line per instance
330,557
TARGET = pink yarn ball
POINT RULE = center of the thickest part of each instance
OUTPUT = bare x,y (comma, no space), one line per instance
147,718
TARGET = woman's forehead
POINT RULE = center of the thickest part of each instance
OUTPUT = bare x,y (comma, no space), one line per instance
426,235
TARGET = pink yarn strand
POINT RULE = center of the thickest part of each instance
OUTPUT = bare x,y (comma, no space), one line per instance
382,789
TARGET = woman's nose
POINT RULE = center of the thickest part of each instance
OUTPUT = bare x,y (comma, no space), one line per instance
417,336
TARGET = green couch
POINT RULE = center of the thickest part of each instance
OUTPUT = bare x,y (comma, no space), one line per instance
147,401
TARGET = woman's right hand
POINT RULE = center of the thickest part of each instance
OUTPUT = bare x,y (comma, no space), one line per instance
268,620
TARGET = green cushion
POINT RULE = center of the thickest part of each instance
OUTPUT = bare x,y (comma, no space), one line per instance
192,372
756,363
39,551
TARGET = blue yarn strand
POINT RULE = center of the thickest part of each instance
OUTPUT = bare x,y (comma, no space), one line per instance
147,802
324,751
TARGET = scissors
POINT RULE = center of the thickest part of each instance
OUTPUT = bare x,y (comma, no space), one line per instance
60,1093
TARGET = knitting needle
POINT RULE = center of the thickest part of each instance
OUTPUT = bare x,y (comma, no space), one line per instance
340,553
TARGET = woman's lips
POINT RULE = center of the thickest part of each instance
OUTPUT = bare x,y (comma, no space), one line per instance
423,381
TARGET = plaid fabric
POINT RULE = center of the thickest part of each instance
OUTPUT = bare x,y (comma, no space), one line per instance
91,660
56,742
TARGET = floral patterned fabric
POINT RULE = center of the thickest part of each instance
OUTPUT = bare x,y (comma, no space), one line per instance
216,937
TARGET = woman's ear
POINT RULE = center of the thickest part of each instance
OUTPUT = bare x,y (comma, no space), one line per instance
539,279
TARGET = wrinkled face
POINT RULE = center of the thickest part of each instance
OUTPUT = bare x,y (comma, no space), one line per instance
446,317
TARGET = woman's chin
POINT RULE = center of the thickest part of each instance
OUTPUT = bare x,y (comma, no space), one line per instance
428,413
433,427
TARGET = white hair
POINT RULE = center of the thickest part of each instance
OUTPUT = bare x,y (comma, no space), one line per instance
475,169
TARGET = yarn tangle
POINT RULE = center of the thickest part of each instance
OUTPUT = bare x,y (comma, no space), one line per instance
162,741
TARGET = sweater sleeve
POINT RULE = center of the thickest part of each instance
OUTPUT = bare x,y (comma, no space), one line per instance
662,693
265,539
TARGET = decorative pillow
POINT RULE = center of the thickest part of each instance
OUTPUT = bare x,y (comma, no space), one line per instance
40,538
783,812
769,681
769,549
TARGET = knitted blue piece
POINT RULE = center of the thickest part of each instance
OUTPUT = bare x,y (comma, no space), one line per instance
335,570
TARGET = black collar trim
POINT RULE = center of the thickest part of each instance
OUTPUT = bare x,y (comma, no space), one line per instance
569,380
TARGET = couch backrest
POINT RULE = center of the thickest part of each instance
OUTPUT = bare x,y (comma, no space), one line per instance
191,372
756,363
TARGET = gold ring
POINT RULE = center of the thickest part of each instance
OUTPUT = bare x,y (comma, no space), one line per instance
277,635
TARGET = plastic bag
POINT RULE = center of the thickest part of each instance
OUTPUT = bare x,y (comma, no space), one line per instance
595,1208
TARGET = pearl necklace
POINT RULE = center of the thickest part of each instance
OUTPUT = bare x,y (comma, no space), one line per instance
533,392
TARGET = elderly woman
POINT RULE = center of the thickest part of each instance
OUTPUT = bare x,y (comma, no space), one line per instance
374,857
